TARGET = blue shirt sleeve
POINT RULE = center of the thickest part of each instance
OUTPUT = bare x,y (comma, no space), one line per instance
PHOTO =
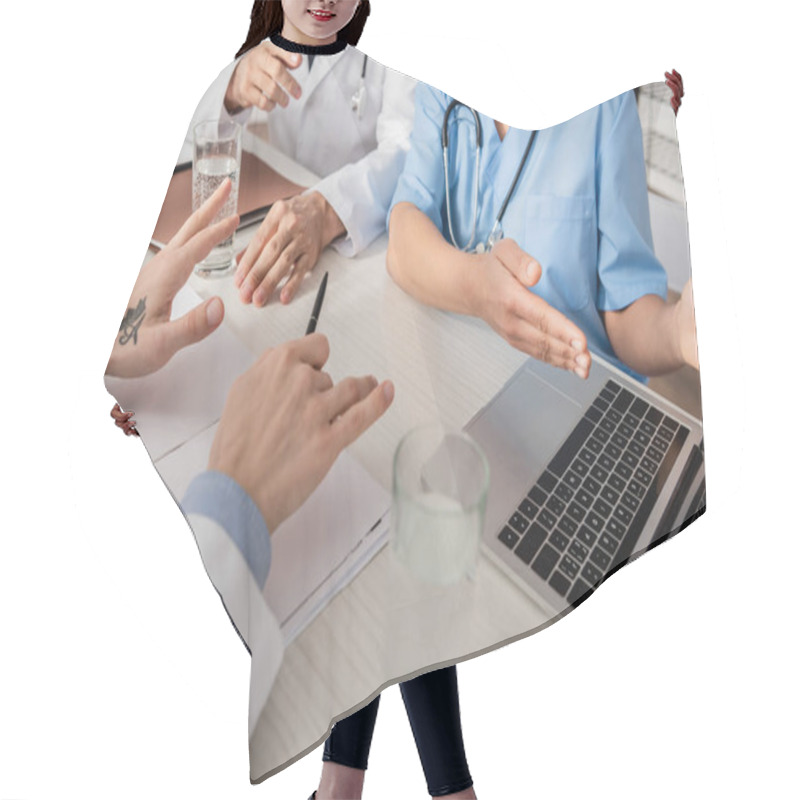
422,179
218,497
626,265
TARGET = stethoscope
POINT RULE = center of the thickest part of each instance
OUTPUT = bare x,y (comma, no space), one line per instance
497,232
360,95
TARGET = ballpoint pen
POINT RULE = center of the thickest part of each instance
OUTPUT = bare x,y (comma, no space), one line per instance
312,323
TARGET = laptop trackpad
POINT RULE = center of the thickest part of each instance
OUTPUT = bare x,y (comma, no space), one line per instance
520,431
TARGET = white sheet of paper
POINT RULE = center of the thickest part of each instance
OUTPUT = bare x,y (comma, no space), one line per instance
188,394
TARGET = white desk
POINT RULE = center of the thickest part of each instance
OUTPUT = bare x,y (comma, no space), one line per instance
385,626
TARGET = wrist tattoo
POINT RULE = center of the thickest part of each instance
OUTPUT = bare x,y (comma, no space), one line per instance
131,322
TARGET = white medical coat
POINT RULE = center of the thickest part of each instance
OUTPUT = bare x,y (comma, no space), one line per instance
359,158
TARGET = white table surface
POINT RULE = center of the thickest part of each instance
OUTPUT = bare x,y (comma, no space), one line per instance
385,625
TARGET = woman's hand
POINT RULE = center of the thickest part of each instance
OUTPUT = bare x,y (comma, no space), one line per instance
262,79
124,420
675,83
522,318
287,244
147,337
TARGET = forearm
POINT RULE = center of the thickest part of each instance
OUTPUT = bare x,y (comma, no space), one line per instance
425,266
645,335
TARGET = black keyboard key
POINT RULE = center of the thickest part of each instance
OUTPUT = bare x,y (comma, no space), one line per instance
609,495
598,473
572,480
547,481
629,459
594,445
556,506
588,456
616,482
600,558
528,509
601,435
531,543
571,446
654,416
623,471
654,454
614,416
595,521
606,463
660,444
518,523
636,448
629,501
649,466
563,492
616,528
567,525
578,552
584,498
625,430
538,496
576,512
602,508
613,452
647,428
665,433
508,537
608,543
631,421
607,395
560,583
580,467
639,407
623,515
569,567
591,573
593,414
543,563
591,485
587,536
558,540
636,489
670,423
642,438
607,425
546,519
643,477
579,592
612,386
601,402
622,401
619,440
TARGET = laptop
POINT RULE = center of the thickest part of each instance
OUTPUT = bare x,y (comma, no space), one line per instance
585,477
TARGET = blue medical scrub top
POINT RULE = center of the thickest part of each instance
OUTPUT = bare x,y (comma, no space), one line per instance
580,207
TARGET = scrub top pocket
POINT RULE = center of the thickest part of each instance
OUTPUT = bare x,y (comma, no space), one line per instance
561,234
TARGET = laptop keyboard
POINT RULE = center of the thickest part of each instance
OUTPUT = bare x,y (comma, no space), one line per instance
584,515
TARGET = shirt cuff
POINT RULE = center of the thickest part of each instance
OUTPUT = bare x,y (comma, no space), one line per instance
217,496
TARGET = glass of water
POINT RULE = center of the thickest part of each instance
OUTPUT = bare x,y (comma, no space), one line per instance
440,483
217,155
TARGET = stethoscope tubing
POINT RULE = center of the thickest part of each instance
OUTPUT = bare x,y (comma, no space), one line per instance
478,152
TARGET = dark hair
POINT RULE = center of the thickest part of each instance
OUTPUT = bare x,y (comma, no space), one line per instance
266,18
